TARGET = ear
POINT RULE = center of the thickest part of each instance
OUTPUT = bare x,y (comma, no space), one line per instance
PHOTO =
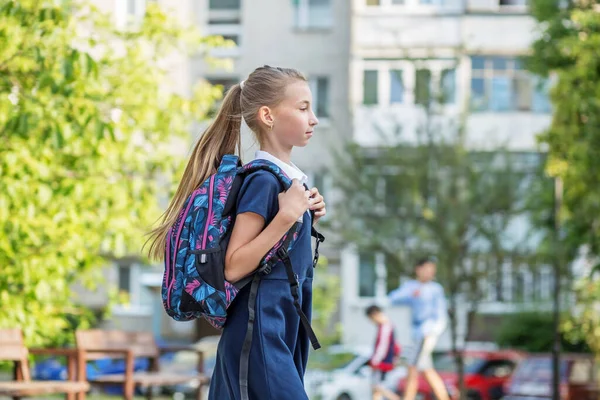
265,115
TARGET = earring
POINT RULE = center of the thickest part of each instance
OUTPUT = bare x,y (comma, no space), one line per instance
271,127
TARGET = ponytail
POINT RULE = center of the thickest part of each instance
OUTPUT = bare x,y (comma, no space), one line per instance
220,138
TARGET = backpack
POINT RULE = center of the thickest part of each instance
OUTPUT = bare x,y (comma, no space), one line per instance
194,284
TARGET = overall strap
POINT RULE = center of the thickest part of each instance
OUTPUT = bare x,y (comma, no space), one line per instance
245,356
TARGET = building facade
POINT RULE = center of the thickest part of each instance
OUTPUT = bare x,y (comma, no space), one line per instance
467,53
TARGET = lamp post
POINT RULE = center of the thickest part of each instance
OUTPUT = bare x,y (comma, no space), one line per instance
556,348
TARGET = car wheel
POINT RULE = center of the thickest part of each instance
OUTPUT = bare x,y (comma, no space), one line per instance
344,397
473,395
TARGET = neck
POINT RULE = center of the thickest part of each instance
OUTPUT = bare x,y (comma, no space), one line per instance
284,154
423,280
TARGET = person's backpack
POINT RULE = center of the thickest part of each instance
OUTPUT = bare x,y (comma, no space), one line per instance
194,284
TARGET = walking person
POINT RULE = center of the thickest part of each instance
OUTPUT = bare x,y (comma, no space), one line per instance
429,319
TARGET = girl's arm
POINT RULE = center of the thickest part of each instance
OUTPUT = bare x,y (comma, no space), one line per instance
249,244
251,240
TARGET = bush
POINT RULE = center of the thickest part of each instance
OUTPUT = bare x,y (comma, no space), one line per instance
534,332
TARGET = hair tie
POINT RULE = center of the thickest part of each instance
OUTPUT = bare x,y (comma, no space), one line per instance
242,83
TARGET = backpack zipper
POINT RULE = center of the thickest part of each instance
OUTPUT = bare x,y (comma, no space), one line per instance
174,266
208,216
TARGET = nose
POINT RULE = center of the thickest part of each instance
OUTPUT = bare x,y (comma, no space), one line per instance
314,120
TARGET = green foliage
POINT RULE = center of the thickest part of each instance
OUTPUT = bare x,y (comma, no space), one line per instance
326,295
87,122
567,50
534,332
584,323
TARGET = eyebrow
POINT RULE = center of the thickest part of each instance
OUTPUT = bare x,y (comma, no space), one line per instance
304,102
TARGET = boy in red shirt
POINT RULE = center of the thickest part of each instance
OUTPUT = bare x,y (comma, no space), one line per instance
386,350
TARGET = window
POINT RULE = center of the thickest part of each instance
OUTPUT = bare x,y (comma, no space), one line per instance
519,3
139,296
500,84
373,2
234,38
518,287
224,4
225,83
322,181
313,13
125,278
498,369
393,194
367,275
320,89
448,86
546,284
128,11
423,87
396,86
370,90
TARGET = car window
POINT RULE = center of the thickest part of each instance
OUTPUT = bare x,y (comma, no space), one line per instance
581,372
446,363
498,368
537,369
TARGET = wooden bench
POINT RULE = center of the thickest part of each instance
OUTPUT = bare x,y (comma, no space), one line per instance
96,344
12,348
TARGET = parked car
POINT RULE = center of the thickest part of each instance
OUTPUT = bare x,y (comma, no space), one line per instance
342,373
532,380
486,373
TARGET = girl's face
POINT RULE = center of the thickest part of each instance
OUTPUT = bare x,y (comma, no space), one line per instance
294,119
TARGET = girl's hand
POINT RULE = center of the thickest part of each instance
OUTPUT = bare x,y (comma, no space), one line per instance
294,202
317,204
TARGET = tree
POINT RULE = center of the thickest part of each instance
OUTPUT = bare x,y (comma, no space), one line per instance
567,51
88,125
434,196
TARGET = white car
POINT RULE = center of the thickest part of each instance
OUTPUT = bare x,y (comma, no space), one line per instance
341,373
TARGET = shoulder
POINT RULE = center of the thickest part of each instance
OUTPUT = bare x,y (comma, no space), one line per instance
262,178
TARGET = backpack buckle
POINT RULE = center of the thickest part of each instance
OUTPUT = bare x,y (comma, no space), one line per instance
265,268
282,253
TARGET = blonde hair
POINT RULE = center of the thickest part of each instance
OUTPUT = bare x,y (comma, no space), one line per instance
265,86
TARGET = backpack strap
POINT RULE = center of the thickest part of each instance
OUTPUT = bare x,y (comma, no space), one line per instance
265,268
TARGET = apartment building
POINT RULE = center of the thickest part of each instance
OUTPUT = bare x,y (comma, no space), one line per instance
466,52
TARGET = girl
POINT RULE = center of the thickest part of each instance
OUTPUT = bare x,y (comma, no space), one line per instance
276,105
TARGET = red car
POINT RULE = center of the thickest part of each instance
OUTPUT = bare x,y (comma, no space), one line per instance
486,373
